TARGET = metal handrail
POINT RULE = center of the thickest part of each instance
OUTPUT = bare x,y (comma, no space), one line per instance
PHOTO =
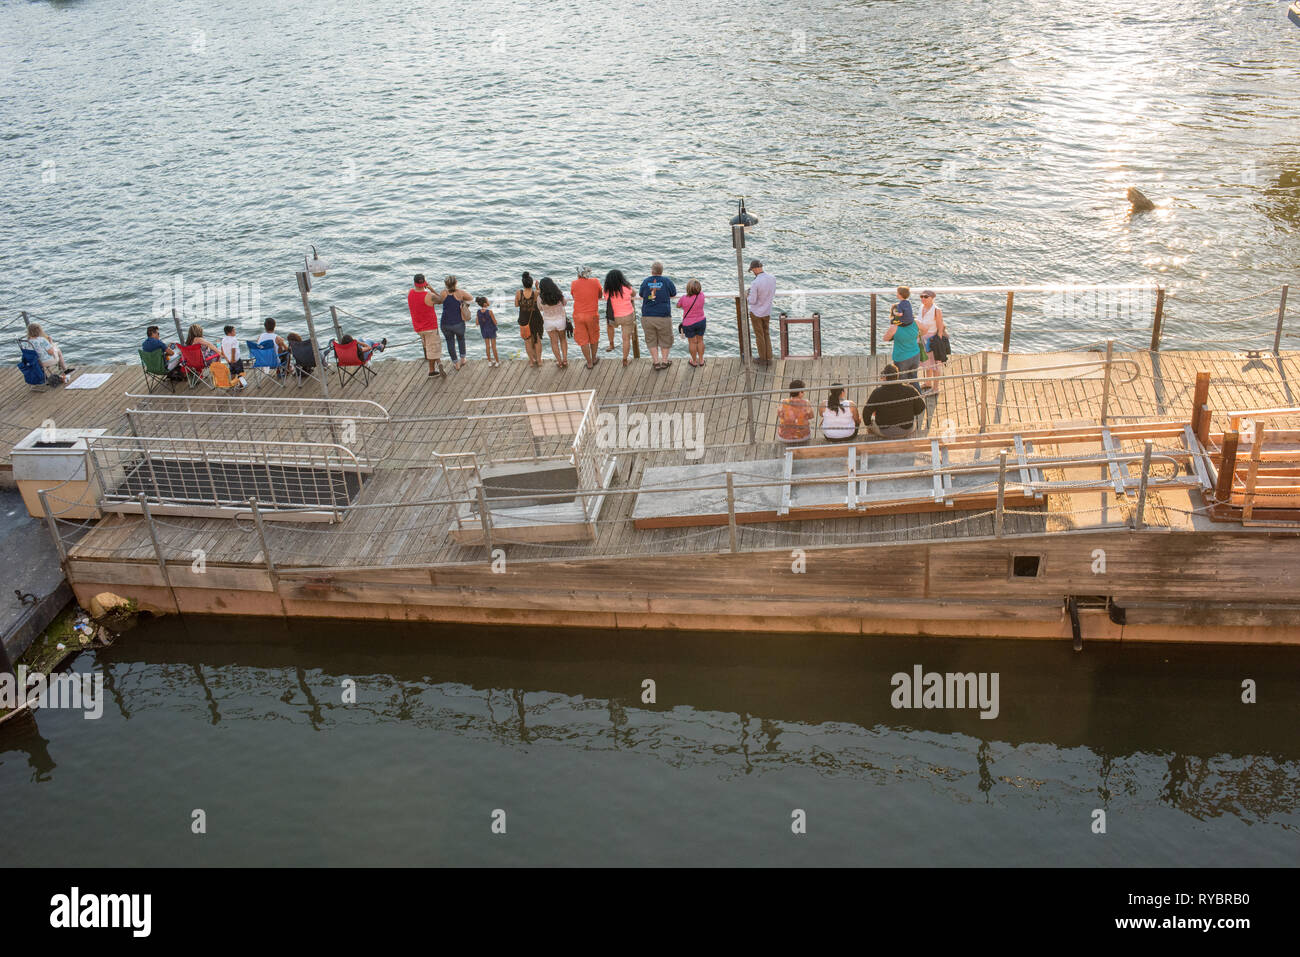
243,400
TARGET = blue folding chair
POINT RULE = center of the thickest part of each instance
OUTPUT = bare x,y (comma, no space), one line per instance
267,362
31,367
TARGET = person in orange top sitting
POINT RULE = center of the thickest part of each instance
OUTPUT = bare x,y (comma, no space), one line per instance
794,417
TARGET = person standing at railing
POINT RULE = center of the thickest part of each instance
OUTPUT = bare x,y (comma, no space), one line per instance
530,320
423,304
761,293
931,326
657,294
586,293
618,298
554,319
905,335
693,321
454,309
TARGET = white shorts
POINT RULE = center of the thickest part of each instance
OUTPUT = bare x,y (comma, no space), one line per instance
555,325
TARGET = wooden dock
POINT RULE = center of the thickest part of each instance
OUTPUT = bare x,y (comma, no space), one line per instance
945,572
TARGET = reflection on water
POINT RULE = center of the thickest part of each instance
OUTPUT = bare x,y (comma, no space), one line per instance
248,717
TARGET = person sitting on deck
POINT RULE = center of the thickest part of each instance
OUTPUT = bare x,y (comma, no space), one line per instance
49,355
153,342
794,417
194,337
365,348
840,418
269,335
892,408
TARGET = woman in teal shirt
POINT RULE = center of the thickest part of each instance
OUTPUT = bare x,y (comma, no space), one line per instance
905,335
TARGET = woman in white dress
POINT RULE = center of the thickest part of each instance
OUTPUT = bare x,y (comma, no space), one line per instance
930,323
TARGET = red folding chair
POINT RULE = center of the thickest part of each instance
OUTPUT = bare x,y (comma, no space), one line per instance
348,360
196,370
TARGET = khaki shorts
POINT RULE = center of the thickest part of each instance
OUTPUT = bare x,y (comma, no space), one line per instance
431,337
658,331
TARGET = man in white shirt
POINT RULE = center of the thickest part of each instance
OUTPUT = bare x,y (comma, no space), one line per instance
761,292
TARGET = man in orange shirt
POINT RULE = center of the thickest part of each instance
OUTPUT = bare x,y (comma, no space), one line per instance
585,292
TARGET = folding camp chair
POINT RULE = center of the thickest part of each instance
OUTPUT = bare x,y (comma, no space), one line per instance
156,373
304,362
196,370
267,362
31,367
348,360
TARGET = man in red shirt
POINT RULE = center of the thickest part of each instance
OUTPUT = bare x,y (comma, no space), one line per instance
423,302
586,293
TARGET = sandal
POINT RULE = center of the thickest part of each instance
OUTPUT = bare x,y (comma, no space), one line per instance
624,363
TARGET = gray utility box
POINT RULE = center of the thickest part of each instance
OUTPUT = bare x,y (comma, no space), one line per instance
56,460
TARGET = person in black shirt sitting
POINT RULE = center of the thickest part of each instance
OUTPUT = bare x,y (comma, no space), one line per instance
891,408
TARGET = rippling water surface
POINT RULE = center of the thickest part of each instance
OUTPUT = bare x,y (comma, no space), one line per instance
957,143
245,721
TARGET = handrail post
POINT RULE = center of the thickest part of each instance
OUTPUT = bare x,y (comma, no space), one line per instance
334,315
485,517
749,403
1158,320
1105,385
873,323
1002,494
54,529
1140,515
176,318
1006,323
1248,501
1200,409
266,548
984,389
157,548
1227,468
731,510
742,333
1281,315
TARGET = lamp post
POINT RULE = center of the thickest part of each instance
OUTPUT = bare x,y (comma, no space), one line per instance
739,224
313,267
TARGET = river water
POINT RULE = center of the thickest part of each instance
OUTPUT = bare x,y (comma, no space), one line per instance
981,142
958,143
246,722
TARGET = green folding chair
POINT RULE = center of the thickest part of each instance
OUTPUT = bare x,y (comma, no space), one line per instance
154,363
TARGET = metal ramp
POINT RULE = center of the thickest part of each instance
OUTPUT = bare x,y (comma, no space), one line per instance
918,475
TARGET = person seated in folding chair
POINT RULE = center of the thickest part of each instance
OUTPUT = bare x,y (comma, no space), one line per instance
32,370
153,342
48,354
281,347
230,353
353,356
304,358
892,408
197,353
161,363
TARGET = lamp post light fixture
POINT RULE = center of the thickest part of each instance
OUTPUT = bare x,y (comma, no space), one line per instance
740,223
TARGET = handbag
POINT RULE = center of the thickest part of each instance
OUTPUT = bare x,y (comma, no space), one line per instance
466,311
939,348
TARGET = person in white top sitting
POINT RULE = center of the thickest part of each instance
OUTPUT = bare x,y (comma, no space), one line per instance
50,355
281,347
229,347
839,416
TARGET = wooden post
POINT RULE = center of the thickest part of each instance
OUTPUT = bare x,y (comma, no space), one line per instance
54,528
26,321
1140,515
636,341
1002,493
1281,315
1158,319
873,323
157,549
984,388
1248,503
1200,408
749,403
1227,468
1006,323
176,318
731,510
266,549
1105,384
338,330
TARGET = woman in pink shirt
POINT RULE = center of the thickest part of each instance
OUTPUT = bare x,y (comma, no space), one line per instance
618,292
692,306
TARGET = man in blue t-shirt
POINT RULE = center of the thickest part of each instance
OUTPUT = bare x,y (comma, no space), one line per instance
657,293
154,342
